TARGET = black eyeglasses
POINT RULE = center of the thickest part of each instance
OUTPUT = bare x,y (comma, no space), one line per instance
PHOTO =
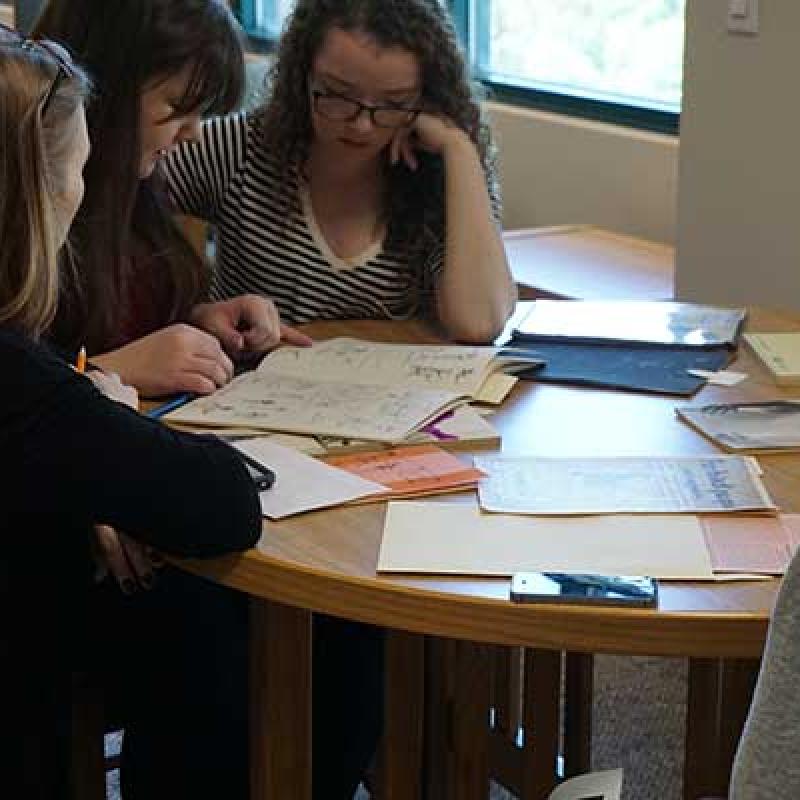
340,108
51,49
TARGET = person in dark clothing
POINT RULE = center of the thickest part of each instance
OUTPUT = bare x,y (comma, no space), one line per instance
75,456
135,293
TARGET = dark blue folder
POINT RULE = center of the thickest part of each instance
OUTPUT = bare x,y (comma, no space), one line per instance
634,366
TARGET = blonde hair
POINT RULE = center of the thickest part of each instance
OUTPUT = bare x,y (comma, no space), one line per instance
39,101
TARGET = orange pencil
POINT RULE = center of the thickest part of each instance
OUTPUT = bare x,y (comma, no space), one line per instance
80,362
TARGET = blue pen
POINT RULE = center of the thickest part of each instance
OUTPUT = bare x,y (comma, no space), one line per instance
170,405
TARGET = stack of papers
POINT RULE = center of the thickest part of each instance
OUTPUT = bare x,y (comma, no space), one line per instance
303,483
441,539
649,346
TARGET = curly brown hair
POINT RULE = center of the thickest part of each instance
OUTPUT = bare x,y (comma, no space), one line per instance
414,202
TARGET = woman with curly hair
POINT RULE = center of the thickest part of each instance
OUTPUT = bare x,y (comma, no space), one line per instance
365,185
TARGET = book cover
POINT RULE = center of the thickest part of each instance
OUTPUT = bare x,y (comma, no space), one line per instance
635,367
761,427
653,322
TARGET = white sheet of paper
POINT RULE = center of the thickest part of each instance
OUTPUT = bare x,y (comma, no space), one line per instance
528,485
723,377
449,538
302,483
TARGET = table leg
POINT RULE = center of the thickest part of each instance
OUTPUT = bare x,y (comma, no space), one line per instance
579,686
719,697
541,718
401,751
470,721
437,764
280,710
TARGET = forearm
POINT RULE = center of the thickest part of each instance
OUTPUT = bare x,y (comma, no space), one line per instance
475,292
186,495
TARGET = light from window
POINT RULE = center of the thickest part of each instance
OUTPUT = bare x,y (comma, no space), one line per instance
624,51
268,15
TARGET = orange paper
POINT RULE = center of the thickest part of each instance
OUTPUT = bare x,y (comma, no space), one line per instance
410,471
751,543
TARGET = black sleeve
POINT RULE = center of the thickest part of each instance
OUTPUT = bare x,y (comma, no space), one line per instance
76,455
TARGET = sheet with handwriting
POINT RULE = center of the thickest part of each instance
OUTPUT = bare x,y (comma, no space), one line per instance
295,405
459,369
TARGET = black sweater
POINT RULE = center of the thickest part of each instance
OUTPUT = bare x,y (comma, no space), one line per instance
73,458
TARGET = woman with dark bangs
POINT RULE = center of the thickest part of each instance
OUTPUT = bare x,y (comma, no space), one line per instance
132,284
134,291
365,186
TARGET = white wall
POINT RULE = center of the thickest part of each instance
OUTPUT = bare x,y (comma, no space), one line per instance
558,170
738,238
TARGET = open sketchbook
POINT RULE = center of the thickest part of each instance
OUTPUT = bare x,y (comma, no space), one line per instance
353,389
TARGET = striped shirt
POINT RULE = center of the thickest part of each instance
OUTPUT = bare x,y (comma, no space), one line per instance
270,244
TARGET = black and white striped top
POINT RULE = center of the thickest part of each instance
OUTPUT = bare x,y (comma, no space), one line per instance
270,244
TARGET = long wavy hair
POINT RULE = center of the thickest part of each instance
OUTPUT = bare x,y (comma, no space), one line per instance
127,45
414,202
34,146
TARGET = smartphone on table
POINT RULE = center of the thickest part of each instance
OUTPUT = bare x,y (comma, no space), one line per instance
566,587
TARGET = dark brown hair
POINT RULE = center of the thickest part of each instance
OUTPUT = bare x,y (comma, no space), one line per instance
126,45
414,203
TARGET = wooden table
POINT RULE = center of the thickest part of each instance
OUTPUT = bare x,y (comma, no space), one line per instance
325,562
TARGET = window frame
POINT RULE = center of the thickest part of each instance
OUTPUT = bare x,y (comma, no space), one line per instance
468,15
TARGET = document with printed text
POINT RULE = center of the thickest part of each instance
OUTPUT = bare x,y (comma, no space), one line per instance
527,485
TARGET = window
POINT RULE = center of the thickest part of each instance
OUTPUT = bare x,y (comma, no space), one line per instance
615,60
262,19
618,60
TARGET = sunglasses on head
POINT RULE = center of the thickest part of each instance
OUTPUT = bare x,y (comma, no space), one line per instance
55,52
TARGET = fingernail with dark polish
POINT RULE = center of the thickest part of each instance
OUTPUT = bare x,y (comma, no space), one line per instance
128,586
147,580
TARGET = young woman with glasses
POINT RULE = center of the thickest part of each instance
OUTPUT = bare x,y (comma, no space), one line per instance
365,184
74,457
